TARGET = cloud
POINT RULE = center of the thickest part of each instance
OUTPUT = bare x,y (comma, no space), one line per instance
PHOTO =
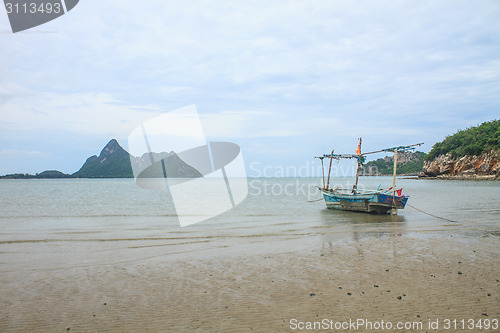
16,154
260,124
85,113
283,73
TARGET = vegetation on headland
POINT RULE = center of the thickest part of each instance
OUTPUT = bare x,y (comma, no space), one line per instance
408,163
49,174
112,162
472,141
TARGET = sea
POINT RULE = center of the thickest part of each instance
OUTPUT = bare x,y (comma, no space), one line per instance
71,223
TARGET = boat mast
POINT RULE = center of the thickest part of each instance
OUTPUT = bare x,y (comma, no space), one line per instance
358,164
337,157
395,157
395,150
329,170
322,170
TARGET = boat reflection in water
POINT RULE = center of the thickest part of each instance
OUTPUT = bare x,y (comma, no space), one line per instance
360,227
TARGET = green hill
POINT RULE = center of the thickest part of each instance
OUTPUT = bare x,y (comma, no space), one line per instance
408,163
170,163
472,141
113,162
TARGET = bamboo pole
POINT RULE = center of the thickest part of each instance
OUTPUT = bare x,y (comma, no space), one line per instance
394,174
394,209
329,170
357,176
323,172
358,153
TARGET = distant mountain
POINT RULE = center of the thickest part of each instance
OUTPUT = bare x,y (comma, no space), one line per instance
116,162
408,163
112,162
175,167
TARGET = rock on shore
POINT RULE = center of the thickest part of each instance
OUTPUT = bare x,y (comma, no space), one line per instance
484,166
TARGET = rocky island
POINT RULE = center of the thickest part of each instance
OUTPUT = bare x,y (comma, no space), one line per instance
116,162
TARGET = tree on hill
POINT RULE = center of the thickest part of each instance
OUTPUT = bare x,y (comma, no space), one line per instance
471,141
52,174
408,163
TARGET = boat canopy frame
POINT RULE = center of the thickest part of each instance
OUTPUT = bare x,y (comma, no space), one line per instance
360,160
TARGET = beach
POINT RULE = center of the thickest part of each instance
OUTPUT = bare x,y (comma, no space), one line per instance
394,279
117,261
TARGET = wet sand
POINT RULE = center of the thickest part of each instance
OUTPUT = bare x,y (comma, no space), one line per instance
391,278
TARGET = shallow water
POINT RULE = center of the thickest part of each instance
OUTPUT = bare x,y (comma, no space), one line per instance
57,224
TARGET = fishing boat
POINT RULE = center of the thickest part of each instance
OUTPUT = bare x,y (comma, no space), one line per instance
370,201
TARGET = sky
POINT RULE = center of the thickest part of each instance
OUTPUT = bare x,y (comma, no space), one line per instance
285,80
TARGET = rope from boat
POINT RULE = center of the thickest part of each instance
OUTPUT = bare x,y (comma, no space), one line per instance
438,217
315,200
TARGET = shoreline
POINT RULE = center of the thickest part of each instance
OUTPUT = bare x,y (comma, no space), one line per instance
463,177
443,177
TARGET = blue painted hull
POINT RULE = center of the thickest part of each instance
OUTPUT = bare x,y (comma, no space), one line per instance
367,201
398,201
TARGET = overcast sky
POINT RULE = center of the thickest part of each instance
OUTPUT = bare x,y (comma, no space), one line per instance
286,80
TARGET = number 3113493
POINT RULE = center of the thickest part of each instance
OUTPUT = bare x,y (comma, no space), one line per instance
33,8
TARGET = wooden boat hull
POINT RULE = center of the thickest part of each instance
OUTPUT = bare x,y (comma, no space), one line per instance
368,202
